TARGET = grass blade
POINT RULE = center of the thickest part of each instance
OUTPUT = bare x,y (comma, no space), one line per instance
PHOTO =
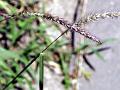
41,71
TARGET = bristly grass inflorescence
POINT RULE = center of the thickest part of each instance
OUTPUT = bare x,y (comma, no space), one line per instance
72,27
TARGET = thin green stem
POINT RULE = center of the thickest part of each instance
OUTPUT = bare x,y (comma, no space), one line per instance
33,61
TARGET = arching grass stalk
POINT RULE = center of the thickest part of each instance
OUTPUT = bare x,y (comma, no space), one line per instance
70,26
61,21
37,56
74,27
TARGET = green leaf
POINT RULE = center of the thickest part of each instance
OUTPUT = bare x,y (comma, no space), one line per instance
97,54
7,54
3,65
42,27
65,69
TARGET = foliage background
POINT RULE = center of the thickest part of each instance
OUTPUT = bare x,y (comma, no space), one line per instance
33,39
